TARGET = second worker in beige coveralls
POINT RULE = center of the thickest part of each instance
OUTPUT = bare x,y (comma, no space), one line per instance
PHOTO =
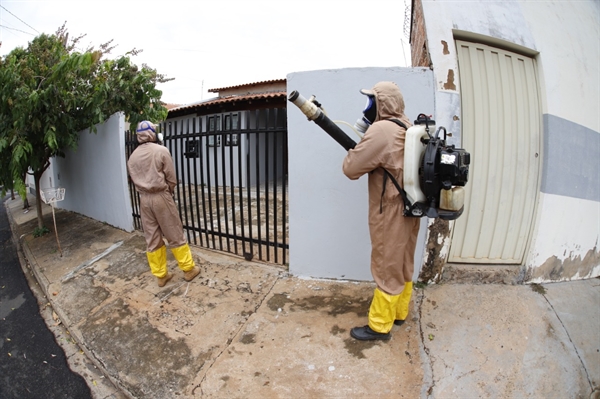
151,169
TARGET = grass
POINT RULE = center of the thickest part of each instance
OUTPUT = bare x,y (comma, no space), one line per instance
38,232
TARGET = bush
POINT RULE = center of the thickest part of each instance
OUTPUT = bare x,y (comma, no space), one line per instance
40,231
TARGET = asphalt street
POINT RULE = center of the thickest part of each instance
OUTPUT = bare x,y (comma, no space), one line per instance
32,364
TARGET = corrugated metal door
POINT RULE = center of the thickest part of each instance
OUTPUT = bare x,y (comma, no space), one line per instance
501,129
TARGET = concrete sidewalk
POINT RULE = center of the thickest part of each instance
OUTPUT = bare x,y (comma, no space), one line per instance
249,330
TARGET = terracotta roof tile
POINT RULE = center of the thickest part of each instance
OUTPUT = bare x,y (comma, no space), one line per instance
246,85
232,99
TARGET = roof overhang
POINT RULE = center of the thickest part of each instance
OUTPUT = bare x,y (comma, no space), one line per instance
232,103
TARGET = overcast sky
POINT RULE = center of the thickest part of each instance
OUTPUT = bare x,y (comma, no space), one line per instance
207,44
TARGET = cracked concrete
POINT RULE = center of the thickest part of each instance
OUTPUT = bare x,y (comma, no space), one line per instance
249,330
491,341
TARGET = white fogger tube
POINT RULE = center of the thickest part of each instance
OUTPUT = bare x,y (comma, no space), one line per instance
314,113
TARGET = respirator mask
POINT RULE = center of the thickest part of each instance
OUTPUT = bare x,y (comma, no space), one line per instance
369,114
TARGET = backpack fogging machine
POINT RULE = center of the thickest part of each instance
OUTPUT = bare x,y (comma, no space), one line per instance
434,173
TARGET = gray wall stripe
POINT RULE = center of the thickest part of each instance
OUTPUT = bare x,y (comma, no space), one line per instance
571,159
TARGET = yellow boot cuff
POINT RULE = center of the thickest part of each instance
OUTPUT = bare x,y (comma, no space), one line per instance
157,260
404,301
382,311
183,255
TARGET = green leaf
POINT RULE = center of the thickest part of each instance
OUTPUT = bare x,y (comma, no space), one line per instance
49,93
18,153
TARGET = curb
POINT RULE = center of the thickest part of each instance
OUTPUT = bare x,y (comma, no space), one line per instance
28,263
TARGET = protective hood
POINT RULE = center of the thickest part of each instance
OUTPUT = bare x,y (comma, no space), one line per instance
146,132
389,100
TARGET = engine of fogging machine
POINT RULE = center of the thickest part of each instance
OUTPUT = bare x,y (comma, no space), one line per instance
434,173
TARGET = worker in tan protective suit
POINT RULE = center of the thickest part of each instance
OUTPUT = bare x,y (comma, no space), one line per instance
393,236
151,169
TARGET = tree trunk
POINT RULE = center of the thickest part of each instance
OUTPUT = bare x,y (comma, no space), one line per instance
38,199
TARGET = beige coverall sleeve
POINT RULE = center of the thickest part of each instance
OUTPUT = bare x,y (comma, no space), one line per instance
169,171
367,155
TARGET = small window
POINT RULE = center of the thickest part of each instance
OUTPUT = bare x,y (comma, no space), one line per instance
214,125
231,123
232,139
214,141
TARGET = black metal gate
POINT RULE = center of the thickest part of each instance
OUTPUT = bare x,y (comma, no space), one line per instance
232,173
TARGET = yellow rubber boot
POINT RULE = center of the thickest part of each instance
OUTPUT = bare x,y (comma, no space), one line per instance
382,311
157,260
183,255
403,304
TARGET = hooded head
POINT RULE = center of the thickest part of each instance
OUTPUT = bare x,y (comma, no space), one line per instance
388,101
146,132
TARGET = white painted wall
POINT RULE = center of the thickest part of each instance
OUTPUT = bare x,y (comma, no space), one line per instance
575,216
563,38
565,33
329,236
568,228
95,176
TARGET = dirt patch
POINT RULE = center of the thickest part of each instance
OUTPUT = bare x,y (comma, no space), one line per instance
332,305
248,339
538,288
336,330
278,301
477,274
356,348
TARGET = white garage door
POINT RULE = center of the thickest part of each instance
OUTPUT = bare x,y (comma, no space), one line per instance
501,129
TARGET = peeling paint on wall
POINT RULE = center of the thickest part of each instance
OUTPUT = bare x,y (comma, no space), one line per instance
554,269
445,48
449,85
435,257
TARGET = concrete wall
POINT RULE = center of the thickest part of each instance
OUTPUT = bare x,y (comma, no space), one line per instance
563,38
329,235
95,176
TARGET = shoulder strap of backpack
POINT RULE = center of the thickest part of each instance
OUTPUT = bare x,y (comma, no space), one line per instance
398,122
387,175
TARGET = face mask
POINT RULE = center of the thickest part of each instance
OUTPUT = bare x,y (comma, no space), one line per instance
370,110
369,115
159,136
